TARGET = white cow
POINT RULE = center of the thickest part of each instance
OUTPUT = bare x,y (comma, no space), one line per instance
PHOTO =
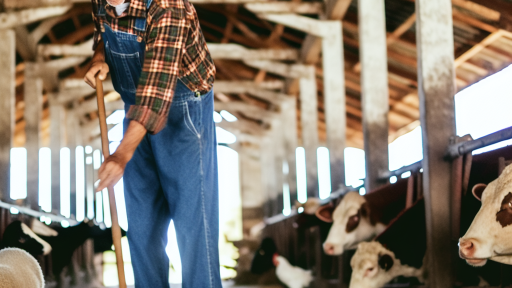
373,266
360,218
489,236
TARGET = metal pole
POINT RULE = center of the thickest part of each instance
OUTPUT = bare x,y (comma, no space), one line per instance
463,148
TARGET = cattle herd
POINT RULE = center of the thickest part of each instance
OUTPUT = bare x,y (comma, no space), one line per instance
22,243
387,230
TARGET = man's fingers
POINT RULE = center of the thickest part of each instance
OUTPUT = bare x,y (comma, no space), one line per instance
103,72
90,77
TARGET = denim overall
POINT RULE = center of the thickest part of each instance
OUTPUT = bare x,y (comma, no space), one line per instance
172,175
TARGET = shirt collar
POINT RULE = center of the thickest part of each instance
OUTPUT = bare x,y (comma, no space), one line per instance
137,8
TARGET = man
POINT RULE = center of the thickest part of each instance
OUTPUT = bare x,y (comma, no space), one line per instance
156,54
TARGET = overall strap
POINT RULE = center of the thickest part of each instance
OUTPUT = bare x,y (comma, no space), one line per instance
140,23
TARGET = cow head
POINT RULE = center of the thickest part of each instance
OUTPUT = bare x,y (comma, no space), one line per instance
19,235
264,257
373,266
489,235
351,225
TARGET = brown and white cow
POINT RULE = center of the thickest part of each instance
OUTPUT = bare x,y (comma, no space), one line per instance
373,266
360,218
489,236
398,251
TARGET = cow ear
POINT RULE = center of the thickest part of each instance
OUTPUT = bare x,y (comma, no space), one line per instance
385,261
478,190
324,213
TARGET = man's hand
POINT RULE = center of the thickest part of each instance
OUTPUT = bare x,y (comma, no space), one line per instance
111,171
98,67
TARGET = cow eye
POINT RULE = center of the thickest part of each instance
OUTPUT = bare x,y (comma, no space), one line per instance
352,223
22,240
262,252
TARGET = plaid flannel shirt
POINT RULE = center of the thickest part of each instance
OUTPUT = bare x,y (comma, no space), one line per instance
175,49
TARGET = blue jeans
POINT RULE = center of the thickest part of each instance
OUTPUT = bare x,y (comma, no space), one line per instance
172,175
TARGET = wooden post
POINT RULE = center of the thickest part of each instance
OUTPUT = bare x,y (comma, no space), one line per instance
289,120
7,102
33,97
251,186
279,158
268,175
56,142
334,103
436,88
89,184
309,124
71,132
374,89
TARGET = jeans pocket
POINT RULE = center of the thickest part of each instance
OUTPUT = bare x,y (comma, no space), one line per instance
192,116
127,69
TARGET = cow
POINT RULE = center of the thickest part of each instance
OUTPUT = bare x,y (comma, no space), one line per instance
398,251
60,243
19,235
488,237
360,218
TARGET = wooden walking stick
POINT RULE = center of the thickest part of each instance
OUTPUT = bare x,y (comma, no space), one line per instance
116,230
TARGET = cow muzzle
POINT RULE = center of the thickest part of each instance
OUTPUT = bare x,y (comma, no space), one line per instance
467,249
332,249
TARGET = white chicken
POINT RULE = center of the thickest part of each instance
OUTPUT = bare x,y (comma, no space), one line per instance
291,276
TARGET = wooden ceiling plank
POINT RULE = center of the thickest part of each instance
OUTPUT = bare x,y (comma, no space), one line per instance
473,22
286,7
478,9
12,19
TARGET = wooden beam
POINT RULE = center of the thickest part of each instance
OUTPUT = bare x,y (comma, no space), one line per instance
238,87
238,52
242,126
24,44
83,49
282,69
479,47
319,28
394,36
24,4
268,175
478,9
57,134
7,102
279,155
27,16
374,85
311,47
244,108
250,177
473,22
288,109
309,128
286,7
33,97
334,104
436,90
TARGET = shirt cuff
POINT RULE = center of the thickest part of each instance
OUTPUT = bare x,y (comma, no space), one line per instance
153,122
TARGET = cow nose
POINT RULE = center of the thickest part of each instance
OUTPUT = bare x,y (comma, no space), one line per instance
467,248
329,248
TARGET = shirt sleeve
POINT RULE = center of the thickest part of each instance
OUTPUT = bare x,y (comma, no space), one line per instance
97,31
164,52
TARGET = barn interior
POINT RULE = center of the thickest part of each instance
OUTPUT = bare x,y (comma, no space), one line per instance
297,83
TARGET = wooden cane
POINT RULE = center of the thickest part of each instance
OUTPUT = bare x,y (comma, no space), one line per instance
116,230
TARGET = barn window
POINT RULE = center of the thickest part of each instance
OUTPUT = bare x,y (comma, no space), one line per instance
324,172
18,182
